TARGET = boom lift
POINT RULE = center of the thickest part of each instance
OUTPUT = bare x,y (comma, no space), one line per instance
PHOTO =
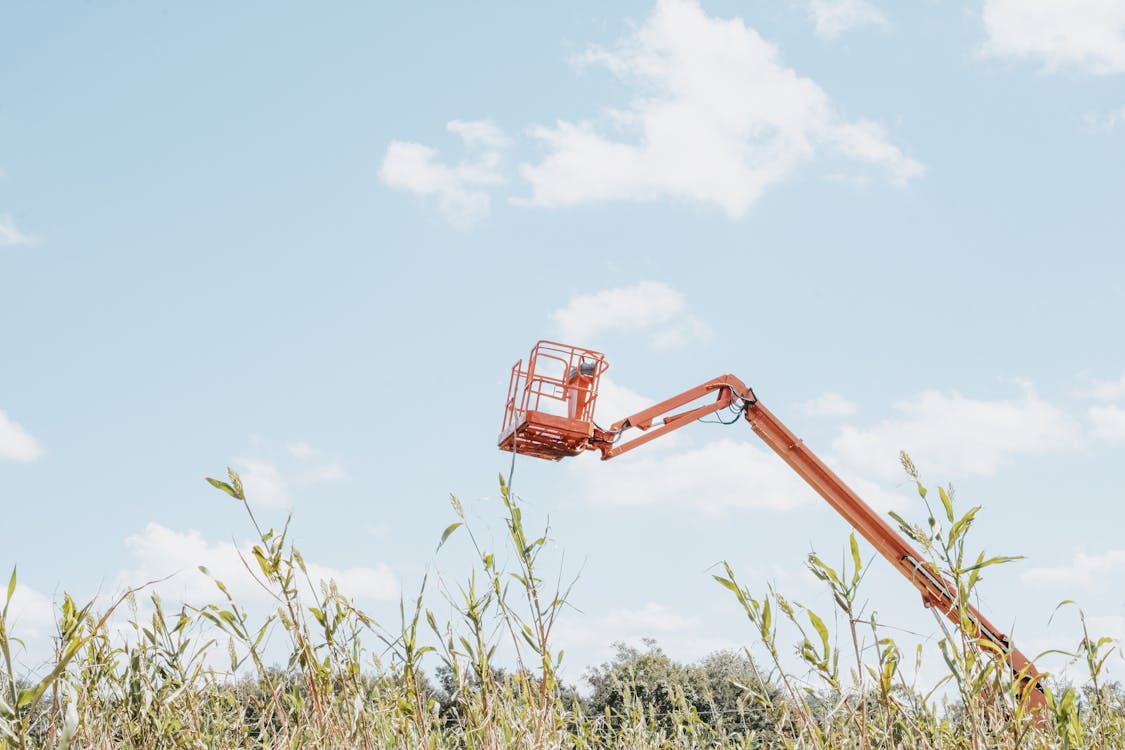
550,414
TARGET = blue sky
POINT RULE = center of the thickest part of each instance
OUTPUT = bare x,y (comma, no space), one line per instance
309,244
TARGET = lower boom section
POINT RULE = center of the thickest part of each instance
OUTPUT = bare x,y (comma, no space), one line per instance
936,591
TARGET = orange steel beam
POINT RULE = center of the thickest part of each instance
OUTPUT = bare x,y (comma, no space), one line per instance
727,389
935,589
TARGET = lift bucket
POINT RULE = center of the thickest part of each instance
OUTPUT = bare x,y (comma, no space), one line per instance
550,408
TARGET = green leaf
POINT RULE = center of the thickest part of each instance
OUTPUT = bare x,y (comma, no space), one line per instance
1067,703
946,502
818,564
219,484
11,586
211,618
855,559
264,564
974,576
448,530
963,524
994,561
821,629
954,672
1058,606
904,526
727,583
300,560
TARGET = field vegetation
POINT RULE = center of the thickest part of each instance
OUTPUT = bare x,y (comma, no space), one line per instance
351,682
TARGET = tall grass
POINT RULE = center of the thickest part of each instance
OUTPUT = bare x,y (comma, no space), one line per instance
202,675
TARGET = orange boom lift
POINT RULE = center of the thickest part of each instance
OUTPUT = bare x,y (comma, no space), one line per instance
550,414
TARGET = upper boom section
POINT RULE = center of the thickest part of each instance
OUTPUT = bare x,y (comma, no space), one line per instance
728,392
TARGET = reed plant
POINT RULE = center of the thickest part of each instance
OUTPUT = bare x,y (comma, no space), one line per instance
138,674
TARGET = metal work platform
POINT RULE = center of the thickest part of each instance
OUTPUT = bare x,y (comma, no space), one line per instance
549,412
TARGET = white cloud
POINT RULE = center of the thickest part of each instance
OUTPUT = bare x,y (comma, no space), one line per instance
16,443
865,140
10,234
874,494
950,434
682,637
316,465
1066,638
29,612
31,619
1108,421
263,483
714,478
169,561
1102,390
361,582
622,308
1085,34
689,330
1084,571
717,477
1104,122
646,306
833,17
716,118
1111,625
159,552
459,189
300,449
615,401
270,486
828,405
480,134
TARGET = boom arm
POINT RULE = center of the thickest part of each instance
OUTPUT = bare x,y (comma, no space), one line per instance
732,393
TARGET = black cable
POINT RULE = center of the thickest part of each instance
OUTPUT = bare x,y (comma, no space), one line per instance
737,406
